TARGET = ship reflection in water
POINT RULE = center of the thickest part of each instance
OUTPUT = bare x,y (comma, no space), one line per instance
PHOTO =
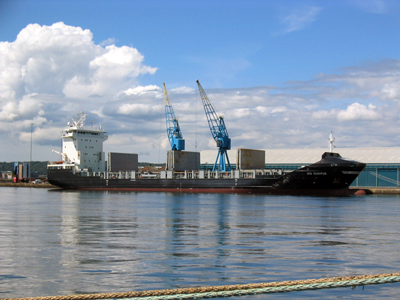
70,242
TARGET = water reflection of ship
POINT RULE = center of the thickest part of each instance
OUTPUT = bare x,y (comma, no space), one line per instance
228,232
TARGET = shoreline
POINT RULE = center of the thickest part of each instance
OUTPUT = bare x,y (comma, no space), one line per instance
378,190
26,184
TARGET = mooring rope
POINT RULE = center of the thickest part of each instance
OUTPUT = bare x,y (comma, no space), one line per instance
235,290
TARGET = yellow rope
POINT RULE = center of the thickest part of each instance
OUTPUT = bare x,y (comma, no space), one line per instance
197,290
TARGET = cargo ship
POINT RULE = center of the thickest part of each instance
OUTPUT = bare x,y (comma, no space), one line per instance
83,167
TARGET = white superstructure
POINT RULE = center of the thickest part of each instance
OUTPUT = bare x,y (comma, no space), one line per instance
83,147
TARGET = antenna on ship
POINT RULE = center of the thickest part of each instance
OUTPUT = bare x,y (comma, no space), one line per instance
79,123
331,140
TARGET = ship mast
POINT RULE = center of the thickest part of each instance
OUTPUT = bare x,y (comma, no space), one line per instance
331,140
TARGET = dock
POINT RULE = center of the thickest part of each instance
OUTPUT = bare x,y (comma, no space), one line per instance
379,190
27,184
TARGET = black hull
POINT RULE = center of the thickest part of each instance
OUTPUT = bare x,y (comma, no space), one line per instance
330,176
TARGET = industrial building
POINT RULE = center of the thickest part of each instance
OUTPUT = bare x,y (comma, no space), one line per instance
22,171
383,163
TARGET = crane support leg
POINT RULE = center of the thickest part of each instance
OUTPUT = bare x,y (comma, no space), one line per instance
224,164
227,168
216,162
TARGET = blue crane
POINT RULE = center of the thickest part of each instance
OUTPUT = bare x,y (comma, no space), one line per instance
218,132
173,130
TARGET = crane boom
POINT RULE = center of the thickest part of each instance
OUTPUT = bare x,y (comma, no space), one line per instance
64,156
218,132
173,129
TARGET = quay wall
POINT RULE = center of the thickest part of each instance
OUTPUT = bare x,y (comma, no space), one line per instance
26,184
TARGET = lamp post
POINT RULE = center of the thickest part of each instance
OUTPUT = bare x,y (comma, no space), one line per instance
30,161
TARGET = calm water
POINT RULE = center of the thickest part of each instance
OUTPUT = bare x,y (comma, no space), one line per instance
69,242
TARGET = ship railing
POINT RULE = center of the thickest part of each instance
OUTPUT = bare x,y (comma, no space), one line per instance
193,174
208,174
119,175
248,174
149,176
60,165
276,171
260,172
68,134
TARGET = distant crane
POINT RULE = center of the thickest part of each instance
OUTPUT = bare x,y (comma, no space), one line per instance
218,132
173,130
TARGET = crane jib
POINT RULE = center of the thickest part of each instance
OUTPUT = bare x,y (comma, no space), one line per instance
218,132
174,132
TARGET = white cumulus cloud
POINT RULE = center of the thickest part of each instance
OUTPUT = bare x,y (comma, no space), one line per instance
49,73
137,109
62,59
108,72
183,90
357,111
141,90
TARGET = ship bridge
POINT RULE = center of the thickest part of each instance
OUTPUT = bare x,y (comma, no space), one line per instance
83,147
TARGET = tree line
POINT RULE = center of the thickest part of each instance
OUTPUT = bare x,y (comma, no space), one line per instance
36,166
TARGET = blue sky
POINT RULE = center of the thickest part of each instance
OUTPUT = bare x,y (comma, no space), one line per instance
283,73
228,44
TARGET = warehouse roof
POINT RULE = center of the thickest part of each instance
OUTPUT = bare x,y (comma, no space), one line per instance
373,155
